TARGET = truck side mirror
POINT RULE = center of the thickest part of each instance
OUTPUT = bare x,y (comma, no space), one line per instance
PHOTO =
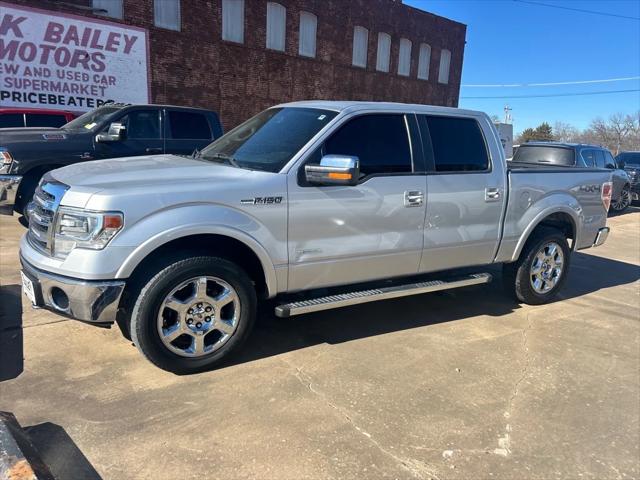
334,170
115,133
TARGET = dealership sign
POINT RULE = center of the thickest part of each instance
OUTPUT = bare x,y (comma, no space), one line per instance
69,62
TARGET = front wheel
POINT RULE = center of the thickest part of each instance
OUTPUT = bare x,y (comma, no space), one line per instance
621,203
193,313
541,270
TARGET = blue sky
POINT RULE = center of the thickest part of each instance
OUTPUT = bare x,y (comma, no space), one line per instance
511,42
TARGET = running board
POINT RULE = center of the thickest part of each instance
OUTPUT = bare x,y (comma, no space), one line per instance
354,298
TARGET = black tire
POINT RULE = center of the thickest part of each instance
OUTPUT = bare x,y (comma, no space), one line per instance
623,202
516,276
26,190
143,326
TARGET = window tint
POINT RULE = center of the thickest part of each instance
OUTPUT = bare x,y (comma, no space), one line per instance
458,144
142,124
550,154
599,158
8,120
380,142
589,158
189,125
609,162
45,120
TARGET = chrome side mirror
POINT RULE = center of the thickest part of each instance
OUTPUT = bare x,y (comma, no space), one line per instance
334,170
115,133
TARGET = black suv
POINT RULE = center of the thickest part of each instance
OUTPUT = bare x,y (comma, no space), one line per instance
630,161
581,156
113,130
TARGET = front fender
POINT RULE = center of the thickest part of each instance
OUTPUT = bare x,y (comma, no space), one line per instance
153,231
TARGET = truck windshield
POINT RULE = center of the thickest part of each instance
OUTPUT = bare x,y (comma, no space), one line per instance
91,119
551,154
270,139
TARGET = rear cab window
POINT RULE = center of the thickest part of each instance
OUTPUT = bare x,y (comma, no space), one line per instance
188,126
45,120
11,120
546,155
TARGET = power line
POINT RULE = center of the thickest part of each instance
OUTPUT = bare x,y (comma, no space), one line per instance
547,84
558,94
594,12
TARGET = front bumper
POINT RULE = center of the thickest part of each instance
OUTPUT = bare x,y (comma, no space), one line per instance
601,237
86,300
8,188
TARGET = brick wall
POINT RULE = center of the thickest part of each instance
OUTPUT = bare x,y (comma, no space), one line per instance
195,67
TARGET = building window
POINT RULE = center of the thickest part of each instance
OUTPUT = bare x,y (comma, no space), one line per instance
445,63
423,61
384,52
166,14
276,26
404,58
360,41
110,8
233,20
308,30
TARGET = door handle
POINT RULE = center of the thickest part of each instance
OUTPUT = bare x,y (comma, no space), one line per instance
153,150
413,198
491,194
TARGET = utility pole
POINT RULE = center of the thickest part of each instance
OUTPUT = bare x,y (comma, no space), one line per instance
507,114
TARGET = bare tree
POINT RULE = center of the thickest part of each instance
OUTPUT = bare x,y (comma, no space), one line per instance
565,132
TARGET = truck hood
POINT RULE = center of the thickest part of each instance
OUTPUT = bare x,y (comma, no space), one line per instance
142,172
29,134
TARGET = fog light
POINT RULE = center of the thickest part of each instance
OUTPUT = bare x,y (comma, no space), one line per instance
59,299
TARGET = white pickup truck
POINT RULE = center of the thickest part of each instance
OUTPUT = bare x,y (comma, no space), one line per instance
338,203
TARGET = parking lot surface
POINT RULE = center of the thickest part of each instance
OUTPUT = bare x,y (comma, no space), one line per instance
460,384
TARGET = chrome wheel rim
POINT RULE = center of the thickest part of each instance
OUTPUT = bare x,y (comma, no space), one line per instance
547,268
623,201
198,316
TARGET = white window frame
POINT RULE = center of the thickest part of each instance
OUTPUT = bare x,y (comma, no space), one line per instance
360,46
424,61
276,26
383,56
308,33
173,22
445,66
404,57
113,7
233,20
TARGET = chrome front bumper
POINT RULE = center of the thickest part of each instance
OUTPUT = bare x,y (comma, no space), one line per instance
8,188
86,300
601,237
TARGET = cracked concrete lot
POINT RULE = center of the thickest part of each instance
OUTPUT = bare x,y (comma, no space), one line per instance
456,385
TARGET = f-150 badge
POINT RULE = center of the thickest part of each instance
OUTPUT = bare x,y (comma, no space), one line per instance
262,201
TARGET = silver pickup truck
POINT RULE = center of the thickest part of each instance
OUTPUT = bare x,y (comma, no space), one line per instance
315,205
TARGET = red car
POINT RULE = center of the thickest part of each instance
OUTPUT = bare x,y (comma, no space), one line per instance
34,117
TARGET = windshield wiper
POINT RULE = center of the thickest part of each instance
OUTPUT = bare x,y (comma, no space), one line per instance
220,156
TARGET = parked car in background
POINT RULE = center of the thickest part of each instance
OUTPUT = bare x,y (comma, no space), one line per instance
34,117
630,162
354,197
581,156
112,130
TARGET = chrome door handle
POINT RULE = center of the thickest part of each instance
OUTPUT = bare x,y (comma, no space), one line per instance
413,198
491,194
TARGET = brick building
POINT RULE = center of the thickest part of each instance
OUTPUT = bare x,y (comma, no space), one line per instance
222,55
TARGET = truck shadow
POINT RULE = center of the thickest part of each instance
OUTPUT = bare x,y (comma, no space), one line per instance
274,336
11,349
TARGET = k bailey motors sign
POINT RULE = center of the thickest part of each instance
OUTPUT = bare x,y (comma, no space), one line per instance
69,62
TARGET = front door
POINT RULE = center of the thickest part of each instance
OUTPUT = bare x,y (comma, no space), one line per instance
143,135
348,234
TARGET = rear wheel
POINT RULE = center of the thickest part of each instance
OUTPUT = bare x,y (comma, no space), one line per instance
193,314
623,201
538,275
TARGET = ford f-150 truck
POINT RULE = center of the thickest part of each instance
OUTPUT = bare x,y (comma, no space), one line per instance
315,205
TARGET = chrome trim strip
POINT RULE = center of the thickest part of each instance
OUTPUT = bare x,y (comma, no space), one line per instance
373,295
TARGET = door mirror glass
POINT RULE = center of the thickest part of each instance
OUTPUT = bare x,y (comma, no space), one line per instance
115,133
334,170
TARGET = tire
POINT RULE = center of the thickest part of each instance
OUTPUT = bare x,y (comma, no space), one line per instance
623,201
26,191
181,284
522,279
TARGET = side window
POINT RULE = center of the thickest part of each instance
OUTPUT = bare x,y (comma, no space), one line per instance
458,144
187,125
142,124
589,158
599,158
609,162
45,120
381,142
8,120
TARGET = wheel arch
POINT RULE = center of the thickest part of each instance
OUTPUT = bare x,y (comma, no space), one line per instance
561,219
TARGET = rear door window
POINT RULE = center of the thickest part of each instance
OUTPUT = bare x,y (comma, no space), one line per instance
188,125
380,141
45,120
8,120
457,143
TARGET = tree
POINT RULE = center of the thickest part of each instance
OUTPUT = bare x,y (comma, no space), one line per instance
542,133
564,132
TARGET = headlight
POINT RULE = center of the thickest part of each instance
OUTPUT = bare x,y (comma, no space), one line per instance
76,228
5,160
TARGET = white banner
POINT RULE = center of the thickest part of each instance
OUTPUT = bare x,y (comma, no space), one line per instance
69,62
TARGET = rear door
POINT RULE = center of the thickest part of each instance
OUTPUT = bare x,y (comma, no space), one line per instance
466,192
186,131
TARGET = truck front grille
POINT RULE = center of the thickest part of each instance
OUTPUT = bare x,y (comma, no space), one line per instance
42,212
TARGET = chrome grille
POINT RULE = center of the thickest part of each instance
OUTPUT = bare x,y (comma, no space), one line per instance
42,212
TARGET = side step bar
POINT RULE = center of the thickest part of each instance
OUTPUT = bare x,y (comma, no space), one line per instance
345,299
